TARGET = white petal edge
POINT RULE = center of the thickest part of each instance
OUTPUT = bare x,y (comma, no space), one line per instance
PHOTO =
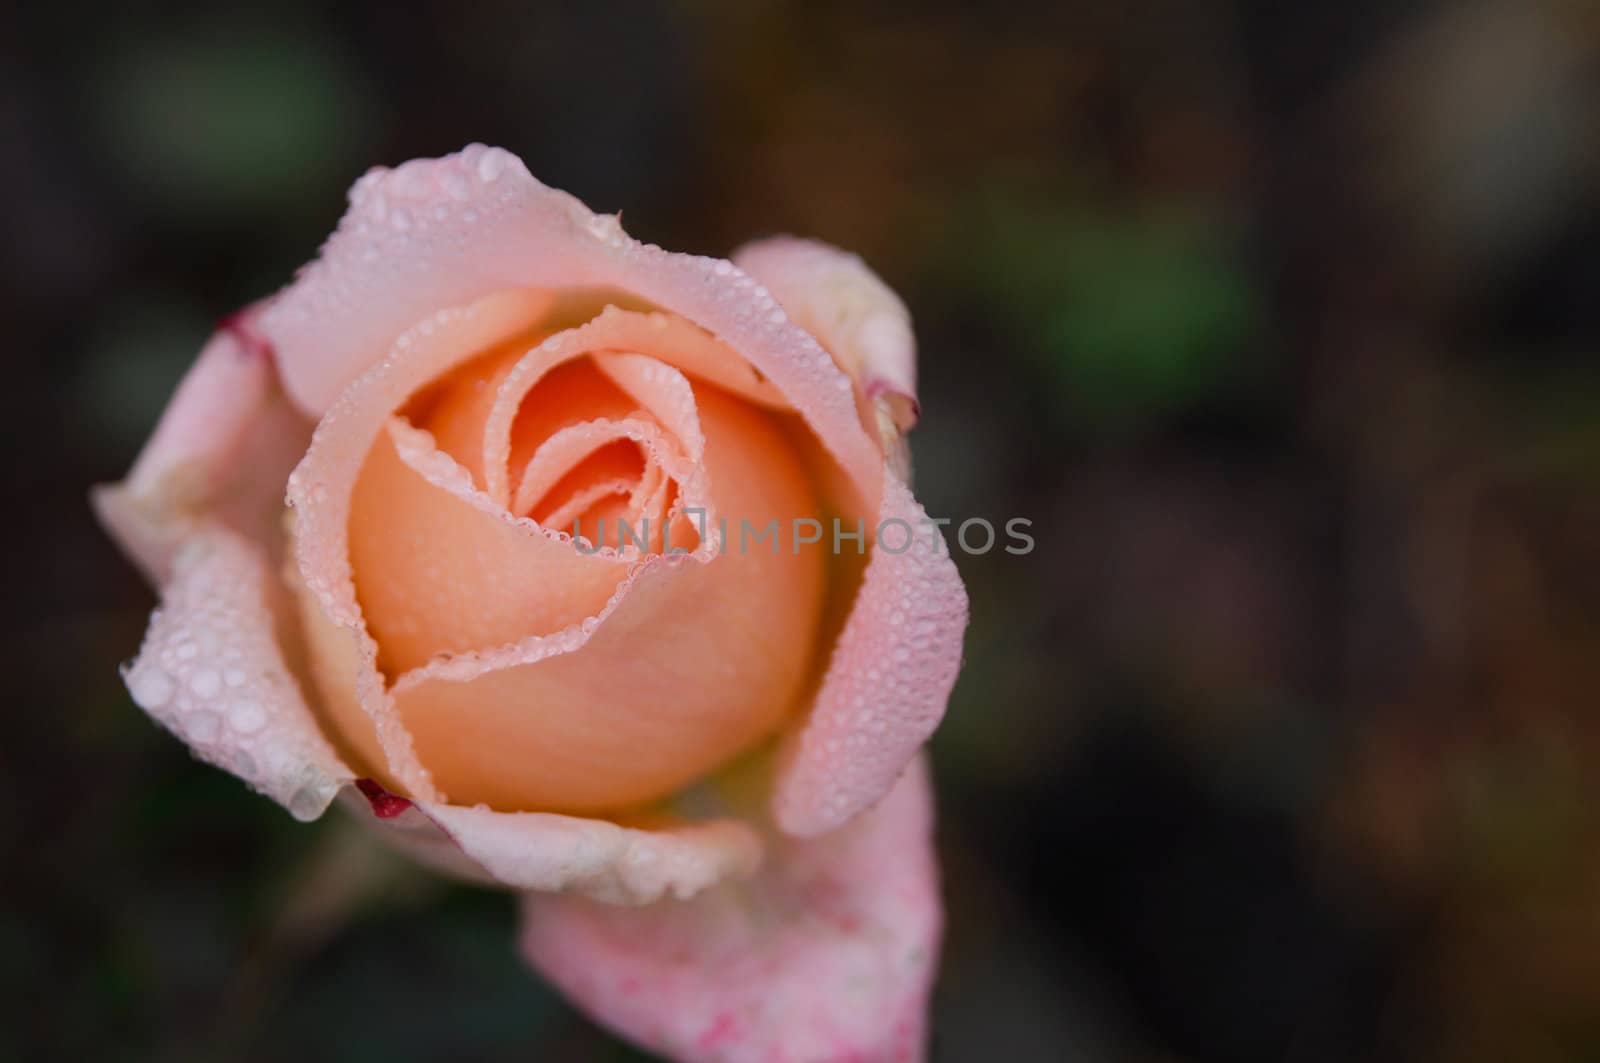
888,680
597,859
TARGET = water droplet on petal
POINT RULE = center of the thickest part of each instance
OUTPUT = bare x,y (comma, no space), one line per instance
151,688
491,164
305,804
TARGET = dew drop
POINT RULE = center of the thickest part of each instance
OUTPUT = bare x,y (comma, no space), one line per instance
151,688
306,804
603,227
491,164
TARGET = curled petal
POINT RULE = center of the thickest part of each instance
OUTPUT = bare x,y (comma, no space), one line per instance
570,390
321,490
888,680
443,569
558,454
856,316
614,336
826,954
211,672
608,862
664,392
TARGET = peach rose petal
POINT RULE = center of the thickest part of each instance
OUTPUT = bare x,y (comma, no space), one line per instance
210,671
510,428
683,668
661,390
557,456
580,507
888,681
489,721
474,576
857,317
401,252
827,954
573,390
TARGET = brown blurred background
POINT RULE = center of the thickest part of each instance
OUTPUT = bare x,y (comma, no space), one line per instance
1280,320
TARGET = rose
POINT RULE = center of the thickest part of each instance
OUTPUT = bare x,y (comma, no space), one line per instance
698,760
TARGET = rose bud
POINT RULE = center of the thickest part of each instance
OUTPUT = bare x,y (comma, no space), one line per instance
373,511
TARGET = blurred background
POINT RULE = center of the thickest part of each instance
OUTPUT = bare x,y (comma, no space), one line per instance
1280,321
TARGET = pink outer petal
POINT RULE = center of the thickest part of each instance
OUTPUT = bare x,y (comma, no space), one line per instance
849,309
211,672
591,858
888,680
826,955
437,233
228,413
